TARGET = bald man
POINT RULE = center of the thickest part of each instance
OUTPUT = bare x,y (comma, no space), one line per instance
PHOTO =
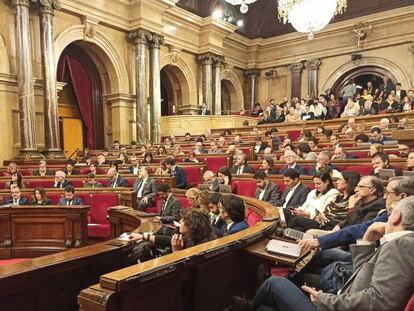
116,180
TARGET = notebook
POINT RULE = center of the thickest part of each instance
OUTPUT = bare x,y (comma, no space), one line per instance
279,247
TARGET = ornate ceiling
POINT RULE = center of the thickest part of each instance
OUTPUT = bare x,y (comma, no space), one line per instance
261,20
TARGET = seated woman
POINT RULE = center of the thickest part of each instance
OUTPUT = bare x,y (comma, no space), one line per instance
192,197
161,151
337,210
410,162
39,197
224,177
195,228
162,170
375,148
268,166
192,158
303,218
16,179
91,182
177,150
232,211
351,109
305,152
148,158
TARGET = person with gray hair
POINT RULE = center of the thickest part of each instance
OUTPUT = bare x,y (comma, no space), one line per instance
145,188
210,179
43,170
115,179
240,165
382,279
60,180
323,162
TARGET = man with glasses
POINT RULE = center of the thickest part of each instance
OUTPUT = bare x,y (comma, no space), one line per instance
16,197
290,160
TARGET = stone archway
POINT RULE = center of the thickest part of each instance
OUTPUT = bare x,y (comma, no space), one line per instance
397,72
178,80
4,59
232,88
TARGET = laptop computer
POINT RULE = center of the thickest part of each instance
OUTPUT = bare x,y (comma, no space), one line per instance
386,174
225,189
204,186
408,173
279,247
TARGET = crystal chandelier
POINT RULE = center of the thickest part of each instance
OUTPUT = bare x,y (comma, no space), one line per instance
243,4
309,16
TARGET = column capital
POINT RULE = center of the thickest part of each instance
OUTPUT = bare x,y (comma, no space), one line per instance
155,40
206,58
47,6
218,61
20,3
296,67
313,64
139,36
252,73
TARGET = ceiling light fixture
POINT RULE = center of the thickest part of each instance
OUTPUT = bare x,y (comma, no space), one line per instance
309,16
243,4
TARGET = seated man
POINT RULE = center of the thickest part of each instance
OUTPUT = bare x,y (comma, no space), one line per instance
116,145
323,161
70,165
290,159
380,160
91,182
115,179
134,168
146,189
16,197
214,148
210,179
232,211
259,145
177,172
219,225
376,272
240,166
335,141
403,150
266,191
60,180
295,193
339,153
377,137
101,160
133,145
170,208
204,111
43,170
69,197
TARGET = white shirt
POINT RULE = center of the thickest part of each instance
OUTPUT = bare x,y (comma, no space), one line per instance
141,188
135,170
314,205
261,194
257,148
240,169
290,193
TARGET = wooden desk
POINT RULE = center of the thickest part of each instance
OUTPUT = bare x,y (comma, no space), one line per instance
259,249
33,231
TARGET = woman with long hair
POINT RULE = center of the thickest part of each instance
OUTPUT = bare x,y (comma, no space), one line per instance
268,166
162,170
194,229
16,179
39,197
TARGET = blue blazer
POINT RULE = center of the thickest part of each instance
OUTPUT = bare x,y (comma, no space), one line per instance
22,201
350,234
236,227
75,201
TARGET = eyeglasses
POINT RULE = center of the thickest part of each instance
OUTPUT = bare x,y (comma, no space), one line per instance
362,186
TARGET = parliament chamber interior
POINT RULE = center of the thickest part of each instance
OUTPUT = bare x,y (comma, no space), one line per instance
206,155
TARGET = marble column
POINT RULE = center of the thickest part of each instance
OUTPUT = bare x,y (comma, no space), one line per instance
411,48
217,64
140,40
206,61
50,107
25,83
296,70
252,75
313,66
155,43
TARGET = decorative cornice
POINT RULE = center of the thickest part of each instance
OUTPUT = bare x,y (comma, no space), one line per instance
140,36
295,67
313,64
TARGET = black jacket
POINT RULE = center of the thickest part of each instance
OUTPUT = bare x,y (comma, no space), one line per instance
297,199
271,194
363,212
180,177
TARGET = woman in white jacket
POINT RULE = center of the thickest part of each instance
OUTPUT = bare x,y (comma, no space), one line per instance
317,200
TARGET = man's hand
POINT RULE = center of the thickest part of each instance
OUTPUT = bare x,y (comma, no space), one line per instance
308,244
144,200
375,232
298,212
177,242
312,292
135,236
336,228
353,200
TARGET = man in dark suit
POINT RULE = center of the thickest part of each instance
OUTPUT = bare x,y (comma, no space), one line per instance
203,111
295,193
115,179
134,168
70,165
290,159
280,116
170,207
69,198
60,180
382,277
399,93
259,145
307,114
240,165
146,189
219,225
176,172
266,191
232,211
16,197
377,137
43,170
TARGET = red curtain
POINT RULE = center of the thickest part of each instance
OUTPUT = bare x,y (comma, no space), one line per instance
83,90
